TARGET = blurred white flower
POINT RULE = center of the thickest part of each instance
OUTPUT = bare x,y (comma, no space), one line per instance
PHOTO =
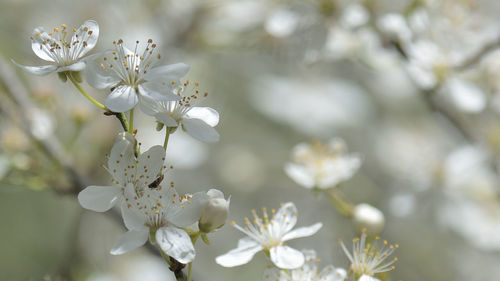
465,95
369,218
269,235
63,53
133,75
394,27
41,125
322,166
215,212
127,171
354,16
477,220
195,120
308,272
368,258
327,104
159,212
282,23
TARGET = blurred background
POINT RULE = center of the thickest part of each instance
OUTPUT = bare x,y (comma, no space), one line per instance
411,86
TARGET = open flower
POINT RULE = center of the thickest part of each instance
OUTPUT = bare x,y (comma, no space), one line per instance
367,259
161,213
308,272
196,121
322,166
269,236
133,75
126,170
63,53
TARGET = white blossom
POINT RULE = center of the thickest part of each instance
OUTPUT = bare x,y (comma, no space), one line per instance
126,170
133,75
269,235
308,272
64,54
195,120
162,213
322,166
368,258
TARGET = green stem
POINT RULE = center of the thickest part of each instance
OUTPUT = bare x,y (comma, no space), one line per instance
123,120
73,80
131,121
190,267
167,135
336,199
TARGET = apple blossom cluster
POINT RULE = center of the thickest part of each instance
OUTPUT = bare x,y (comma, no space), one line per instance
151,206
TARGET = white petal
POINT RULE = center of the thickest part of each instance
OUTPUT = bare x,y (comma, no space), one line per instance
286,217
189,212
166,119
84,39
200,130
339,169
148,91
150,106
300,175
37,70
302,231
98,77
245,251
99,198
42,50
122,99
215,193
122,157
206,114
129,241
466,96
78,66
367,278
150,164
286,257
176,243
168,73
133,219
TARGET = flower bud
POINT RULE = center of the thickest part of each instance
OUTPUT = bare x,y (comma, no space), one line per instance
369,218
215,213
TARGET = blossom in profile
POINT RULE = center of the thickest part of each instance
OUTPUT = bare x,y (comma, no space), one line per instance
368,259
160,213
308,272
215,212
321,165
63,53
269,234
126,171
197,121
133,75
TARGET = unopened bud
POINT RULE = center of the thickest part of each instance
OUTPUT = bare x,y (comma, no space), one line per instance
368,217
215,213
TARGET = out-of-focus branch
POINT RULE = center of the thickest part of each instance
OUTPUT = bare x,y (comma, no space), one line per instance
476,57
428,98
17,109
